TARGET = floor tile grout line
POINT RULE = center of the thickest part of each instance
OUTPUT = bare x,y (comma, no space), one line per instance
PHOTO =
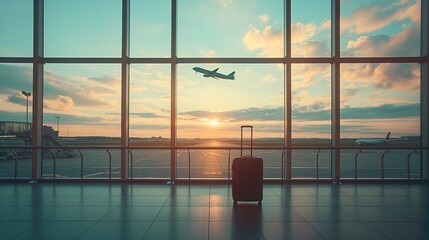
375,230
340,208
354,218
154,219
96,222
397,214
306,221
40,222
407,219
315,230
22,233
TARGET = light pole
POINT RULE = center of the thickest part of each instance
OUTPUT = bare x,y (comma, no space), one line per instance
27,94
58,124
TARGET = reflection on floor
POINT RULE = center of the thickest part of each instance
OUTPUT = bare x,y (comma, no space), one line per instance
205,211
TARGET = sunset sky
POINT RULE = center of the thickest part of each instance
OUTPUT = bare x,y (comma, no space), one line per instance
375,98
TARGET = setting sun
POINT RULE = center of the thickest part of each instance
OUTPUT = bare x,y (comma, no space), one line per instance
213,122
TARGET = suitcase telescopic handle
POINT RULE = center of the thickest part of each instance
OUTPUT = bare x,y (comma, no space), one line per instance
251,139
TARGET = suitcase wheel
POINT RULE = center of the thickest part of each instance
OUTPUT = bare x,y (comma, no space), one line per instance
259,203
235,203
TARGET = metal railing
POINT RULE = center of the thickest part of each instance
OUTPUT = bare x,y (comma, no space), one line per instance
192,165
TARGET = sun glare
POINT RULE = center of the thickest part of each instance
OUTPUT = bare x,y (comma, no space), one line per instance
213,122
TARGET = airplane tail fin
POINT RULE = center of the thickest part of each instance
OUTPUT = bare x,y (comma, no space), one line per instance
231,75
387,136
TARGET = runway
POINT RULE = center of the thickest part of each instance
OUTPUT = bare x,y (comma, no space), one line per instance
209,163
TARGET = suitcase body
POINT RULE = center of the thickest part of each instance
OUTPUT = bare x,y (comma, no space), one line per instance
247,176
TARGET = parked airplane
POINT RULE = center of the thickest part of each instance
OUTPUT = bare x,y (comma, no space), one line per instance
214,73
373,141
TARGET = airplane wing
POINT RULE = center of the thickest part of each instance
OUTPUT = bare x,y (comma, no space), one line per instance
214,73
223,76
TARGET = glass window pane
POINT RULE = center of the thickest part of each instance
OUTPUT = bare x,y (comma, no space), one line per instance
82,101
150,28
311,104
311,163
210,108
311,28
380,98
15,79
16,100
150,163
81,107
380,28
150,104
243,28
16,28
82,28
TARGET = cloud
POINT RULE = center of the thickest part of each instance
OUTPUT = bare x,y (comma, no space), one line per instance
60,103
349,91
15,78
19,99
303,32
81,90
264,18
60,93
318,111
249,114
207,53
269,78
269,41
375,16
13,116
326,24
77,119
148,115
302,101
357,72
225,3
310,49
304,130
84,92
161,82
385,111
82,95
150,79
399,76
49,118
365,44
164,127
106,80
405,43
305,75
412,12
315,106
303,44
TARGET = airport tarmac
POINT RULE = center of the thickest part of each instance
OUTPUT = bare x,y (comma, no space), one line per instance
214,163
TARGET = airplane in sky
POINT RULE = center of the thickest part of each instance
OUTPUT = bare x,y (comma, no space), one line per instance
214,73
373,141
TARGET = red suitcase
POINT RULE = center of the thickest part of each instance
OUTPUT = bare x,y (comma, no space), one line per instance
247,175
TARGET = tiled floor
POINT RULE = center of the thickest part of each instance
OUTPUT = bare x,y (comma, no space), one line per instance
205,211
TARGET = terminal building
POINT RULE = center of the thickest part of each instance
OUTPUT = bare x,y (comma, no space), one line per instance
120,119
